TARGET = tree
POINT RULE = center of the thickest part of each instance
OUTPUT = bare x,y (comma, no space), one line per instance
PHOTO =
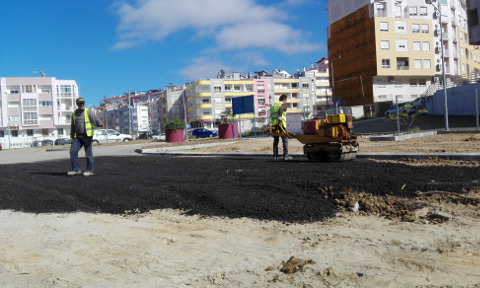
407,115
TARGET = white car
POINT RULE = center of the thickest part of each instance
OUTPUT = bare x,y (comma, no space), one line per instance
160,137
109,136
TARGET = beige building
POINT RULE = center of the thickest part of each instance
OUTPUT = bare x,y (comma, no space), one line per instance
35,109
396,47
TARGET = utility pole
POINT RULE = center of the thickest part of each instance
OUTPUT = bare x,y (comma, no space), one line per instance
105,111
129,115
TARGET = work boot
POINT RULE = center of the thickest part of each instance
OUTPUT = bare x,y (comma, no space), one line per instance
73,173
287,157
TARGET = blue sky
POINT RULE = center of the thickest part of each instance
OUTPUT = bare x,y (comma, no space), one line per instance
111,46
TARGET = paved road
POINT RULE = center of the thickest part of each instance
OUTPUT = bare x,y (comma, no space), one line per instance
28,155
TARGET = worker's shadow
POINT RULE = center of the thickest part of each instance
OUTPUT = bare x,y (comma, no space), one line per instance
50,173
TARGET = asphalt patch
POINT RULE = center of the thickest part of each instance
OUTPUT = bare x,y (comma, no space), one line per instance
293,191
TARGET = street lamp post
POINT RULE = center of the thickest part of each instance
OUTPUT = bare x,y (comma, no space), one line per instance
333,82
443,60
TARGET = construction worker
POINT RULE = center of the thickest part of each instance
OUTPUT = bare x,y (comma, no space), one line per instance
81,135
278,119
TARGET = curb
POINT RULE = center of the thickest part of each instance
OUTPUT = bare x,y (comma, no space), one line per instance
360,155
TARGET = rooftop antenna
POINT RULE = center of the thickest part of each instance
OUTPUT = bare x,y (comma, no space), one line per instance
39,73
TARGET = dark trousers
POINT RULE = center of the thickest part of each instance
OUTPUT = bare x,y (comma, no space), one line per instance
77,144
276,140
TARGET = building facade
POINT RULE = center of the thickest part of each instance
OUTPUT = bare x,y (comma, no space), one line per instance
396,48
308,95
35,109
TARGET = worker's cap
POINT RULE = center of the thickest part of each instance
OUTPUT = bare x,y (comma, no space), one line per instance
80,101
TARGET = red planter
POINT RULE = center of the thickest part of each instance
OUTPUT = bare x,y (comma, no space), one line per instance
228,131
174,136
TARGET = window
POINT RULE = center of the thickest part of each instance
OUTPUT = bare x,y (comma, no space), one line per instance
385,44
382,96
415,28
228,87
45,103
401,27
28,88
427,64
29,105
29,132
13,89
402,63
426,46
413,82
417,63
422,82
305,85
205,101
14,133
423,10
412,10
425,28
217,89
237,88
385,63
402,45
260,88
416,45
30,118
383,26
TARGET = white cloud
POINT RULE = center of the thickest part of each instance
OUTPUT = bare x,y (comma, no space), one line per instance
234,24
201,68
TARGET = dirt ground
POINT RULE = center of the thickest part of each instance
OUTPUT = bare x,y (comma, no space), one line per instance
182,221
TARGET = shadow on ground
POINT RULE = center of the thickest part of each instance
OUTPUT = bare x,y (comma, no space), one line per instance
296,191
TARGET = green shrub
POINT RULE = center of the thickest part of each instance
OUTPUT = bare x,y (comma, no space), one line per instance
175,124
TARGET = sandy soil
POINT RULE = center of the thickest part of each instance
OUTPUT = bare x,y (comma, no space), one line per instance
161,221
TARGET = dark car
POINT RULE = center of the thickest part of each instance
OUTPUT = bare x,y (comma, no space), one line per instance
61,141
47,142
203,133
0,146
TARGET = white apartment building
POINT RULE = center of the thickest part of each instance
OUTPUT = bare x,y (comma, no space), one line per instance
396,46
35,108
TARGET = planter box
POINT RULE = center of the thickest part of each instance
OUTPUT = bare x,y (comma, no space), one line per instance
228,131
174,136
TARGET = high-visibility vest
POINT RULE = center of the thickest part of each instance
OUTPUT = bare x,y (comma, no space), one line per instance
88,125
274,115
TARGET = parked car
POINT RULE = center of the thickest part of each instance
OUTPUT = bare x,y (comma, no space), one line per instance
160,137
0,146
61,141
36,144
109,136
47,142
203,133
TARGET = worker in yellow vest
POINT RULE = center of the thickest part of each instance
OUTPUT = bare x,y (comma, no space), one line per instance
81,135
278,117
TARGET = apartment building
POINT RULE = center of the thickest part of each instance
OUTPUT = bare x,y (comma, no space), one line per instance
35,108
308,94
141,112
396,47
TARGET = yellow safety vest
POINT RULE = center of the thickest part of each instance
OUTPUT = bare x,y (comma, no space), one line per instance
274,115
88,125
